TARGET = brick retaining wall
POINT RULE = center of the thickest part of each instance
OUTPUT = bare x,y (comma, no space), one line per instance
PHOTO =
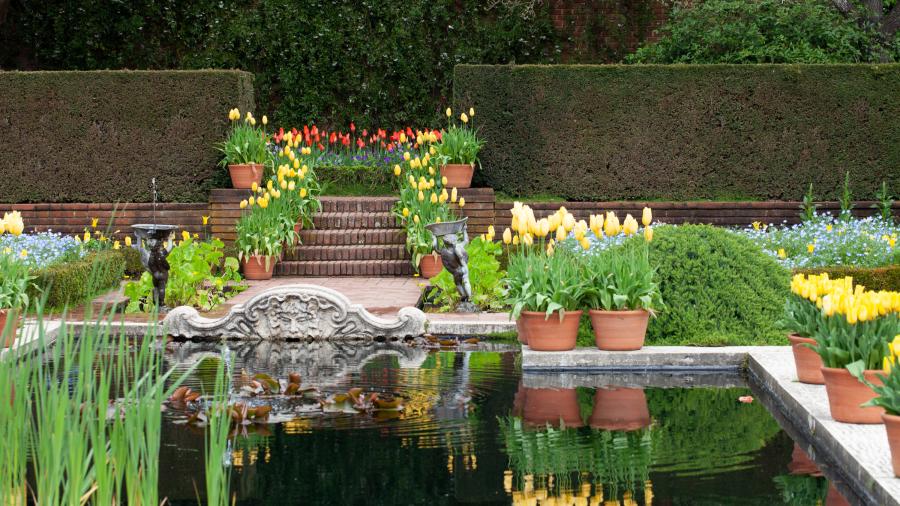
72,218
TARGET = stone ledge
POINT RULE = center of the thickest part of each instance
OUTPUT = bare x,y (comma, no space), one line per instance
648,358
460,324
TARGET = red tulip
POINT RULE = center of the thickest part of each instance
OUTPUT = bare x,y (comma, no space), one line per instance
352,127
321,147
332,138
360,143
365,132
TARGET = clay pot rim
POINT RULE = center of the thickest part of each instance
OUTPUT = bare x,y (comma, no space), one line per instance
459,165
247,258
798,337
837,370
544,313
890,418
251,164
627,312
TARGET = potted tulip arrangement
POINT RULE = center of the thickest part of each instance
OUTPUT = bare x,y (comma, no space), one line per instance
622,291
801,318
245,152
295,178
261,233
14,283
853,337
458,149
424,199
887,391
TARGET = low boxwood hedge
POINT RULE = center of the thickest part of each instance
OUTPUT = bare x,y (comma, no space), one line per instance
355,180
71,283
873,278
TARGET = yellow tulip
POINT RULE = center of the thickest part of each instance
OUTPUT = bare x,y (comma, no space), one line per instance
449,112
648,234
263,202
23,253
887,364
416,218
244,203
810,247
128,241
464,118
647,217
421,196
94,222
302,193
437,220
453,195
254,187
462,202
585,244
515,240
434,198
406,155
397,170
611,226
283,184
251,201
781,253
405,212
549,249
185,235
527,240
507,236
630,225
265,120
472,112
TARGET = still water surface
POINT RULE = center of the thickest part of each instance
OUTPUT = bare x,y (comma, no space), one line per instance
475,431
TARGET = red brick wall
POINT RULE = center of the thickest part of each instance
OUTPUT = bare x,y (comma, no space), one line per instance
72,218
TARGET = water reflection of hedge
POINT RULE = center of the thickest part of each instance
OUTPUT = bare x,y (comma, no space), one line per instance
801,490
706,431
616,459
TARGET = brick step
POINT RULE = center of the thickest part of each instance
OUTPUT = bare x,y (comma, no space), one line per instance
307,252
357,204
344,268
355,219
355,236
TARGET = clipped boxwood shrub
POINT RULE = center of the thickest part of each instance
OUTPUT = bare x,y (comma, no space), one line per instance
683,132
133,265
101,136
873,278
720,288
71,283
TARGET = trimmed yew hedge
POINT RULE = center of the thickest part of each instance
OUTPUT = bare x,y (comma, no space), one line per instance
684,132
100,136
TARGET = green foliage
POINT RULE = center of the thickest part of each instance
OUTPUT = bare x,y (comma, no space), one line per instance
758,31
801,490
885,203
356,180
622,278
14,282
76,281
133,265
199,276
675,140
808,207
333,60
861,345
459,143
545,283
801,316
720,287
846,199
876,278
246,143
888,393
104,135
485,275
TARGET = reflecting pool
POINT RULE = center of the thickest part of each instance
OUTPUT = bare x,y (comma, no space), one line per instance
475,430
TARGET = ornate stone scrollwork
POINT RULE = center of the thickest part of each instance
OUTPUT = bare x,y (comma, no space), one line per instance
295,312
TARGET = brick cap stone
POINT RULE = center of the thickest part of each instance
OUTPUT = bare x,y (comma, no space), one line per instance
306,312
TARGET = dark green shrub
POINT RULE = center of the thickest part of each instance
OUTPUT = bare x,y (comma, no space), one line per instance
758,31
72,283
133,266
693,132
356,180
101,136
877,278
720,288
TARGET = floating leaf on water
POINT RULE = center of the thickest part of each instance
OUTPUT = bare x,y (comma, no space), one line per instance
191,396
386,402
268,382
261,412
431,338
294,377
291,389
449,342
471,340
179,393
354,394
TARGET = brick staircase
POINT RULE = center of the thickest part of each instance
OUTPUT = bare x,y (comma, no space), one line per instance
353,236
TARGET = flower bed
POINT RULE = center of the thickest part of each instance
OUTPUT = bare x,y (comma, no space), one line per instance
42,249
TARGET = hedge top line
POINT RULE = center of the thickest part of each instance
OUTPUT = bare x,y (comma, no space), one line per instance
750,67
124,72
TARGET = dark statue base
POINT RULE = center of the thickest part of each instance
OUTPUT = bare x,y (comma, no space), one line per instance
466,307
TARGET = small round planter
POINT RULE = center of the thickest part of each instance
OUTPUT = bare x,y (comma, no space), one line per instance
619,330
243,175
846,393
548,333
620,409
8,336
459,175
430,266
892,426
552,406
520,331
808,362
255,267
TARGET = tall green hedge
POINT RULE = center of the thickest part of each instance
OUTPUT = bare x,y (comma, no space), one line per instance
101,136
379,63
683,132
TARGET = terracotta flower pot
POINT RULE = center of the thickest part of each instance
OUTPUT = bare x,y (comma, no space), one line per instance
801,464
619,330
846,393
255,267
892,426
243,175
8,337
550,334
430,266
550,406
459,175
808,362
620,409
521,331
